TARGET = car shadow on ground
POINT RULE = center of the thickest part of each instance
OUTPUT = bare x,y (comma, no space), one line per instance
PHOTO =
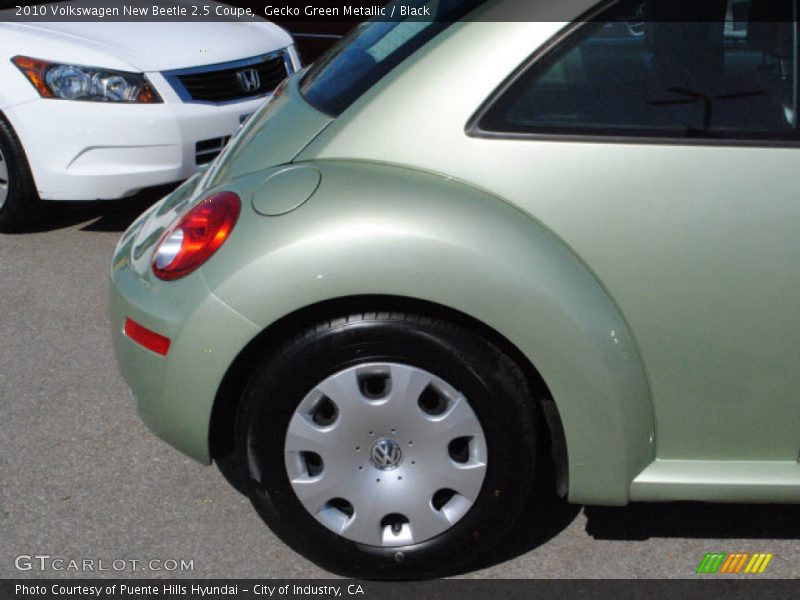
548,515
694,520
106,216
545,517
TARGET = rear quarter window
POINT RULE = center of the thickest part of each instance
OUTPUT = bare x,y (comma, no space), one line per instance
707,70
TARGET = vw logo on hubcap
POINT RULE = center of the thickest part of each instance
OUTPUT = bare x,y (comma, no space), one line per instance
386,454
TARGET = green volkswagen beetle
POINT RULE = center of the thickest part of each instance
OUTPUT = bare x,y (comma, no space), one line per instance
450,240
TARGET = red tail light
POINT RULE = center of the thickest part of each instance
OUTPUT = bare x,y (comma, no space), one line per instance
149,339
196,236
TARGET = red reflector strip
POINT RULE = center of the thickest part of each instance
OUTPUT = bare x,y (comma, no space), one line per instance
149,339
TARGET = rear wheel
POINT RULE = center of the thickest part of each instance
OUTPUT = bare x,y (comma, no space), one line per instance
18,197
388,445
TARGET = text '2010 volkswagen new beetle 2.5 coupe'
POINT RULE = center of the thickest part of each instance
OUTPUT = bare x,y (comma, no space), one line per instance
447,241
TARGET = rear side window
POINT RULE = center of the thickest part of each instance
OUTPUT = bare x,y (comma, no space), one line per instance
667,68
372,50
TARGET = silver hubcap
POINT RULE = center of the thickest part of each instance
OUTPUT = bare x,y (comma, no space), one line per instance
386,454
3,180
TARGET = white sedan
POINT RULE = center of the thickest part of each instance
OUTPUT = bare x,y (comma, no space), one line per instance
102,110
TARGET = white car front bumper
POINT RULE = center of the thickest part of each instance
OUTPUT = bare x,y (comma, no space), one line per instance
104,151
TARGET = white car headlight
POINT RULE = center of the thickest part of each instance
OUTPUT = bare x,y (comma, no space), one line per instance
75,82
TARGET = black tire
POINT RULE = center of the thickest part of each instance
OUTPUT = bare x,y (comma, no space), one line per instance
498,393
22,201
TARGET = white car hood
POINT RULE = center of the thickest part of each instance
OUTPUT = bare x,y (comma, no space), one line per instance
158,46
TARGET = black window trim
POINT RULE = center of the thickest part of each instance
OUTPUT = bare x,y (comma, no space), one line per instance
563,37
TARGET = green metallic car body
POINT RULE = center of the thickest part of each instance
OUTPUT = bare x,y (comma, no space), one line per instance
651,283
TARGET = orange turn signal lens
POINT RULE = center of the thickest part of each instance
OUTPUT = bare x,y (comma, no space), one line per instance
34,70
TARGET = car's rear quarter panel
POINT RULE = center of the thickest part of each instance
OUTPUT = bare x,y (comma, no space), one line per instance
410,234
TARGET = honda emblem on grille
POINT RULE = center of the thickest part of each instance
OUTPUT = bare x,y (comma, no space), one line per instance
248,79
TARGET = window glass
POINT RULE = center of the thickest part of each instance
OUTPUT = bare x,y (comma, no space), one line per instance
676,68
372,50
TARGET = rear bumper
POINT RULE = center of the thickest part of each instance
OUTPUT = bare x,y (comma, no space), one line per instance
174,394
102,151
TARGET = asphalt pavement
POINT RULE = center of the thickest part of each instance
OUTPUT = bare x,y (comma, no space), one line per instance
81,479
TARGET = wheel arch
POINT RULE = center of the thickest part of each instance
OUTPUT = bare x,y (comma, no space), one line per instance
222,426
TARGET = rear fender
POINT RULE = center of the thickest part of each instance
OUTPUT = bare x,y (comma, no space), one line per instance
379,230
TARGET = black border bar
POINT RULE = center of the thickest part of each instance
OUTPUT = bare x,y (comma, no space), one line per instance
287,11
